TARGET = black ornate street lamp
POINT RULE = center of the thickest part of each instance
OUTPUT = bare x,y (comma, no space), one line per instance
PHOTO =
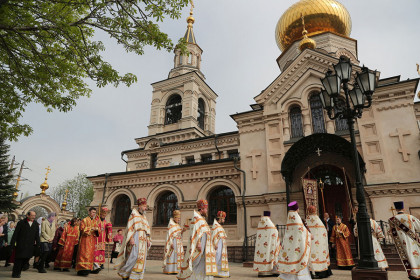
356,99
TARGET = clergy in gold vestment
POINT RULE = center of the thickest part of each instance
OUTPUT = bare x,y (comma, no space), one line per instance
200,258
218,237
405,229
69,239
340,240
377,236
267,247
296,248
104,238
319,261
131,261
174,251
85,254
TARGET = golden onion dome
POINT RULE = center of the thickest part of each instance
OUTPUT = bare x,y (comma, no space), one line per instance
320,16
307,43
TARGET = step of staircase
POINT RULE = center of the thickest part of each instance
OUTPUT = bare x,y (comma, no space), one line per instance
391,255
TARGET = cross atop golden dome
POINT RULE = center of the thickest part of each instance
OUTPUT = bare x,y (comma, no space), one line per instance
320,16
306,43
44,186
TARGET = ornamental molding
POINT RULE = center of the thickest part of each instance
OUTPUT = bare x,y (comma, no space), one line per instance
152,180
392,107
393,189
179,81
251,130
263,200
190,147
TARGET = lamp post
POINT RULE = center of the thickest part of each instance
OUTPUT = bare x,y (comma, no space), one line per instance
356,99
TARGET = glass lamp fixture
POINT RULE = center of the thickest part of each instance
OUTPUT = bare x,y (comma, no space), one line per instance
366,81
332,84
357,97
343,68
326,100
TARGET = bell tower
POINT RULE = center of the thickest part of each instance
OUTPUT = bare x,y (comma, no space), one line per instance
183,105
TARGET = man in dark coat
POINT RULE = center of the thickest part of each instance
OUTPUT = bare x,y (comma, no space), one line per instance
329,224
24,238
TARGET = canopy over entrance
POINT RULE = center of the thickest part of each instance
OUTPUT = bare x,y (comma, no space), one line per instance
308,146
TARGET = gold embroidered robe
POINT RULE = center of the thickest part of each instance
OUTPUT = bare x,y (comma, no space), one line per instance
174,232
218,234
86,250
410,247
137,223
69,239
198,228
105,237
296,246
340,237
320,256
377,236
267,246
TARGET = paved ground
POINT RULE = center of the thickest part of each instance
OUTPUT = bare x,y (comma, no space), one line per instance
154,272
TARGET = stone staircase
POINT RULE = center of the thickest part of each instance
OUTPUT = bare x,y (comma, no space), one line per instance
391,254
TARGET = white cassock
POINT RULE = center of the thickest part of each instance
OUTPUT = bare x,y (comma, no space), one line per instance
377,236
218,236
174,251
267,247
296,248
405,230
131,261
199,264
319,259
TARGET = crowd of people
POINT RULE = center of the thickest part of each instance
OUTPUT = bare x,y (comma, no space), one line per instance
302,253
73,243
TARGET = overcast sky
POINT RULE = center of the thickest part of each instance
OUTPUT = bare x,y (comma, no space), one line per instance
239,61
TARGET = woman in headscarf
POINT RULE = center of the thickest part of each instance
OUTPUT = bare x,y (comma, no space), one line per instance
10,231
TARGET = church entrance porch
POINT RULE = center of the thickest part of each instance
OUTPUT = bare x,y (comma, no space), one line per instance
327,157
334,192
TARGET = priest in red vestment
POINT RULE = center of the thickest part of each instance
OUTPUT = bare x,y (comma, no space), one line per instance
105,237
89,230
69,238
340,240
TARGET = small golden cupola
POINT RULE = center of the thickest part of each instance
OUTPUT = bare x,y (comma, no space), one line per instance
306,42
321,16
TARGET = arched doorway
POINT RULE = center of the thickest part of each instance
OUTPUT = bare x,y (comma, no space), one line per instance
327,157
121,210
166,203
222,198
336,193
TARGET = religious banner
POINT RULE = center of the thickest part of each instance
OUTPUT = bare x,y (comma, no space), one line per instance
310,190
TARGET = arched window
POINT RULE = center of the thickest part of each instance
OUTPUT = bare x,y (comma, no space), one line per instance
166,203
173,109
317,114
201,113
296,122
190,55
341,124
122,210
181,59
222,199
